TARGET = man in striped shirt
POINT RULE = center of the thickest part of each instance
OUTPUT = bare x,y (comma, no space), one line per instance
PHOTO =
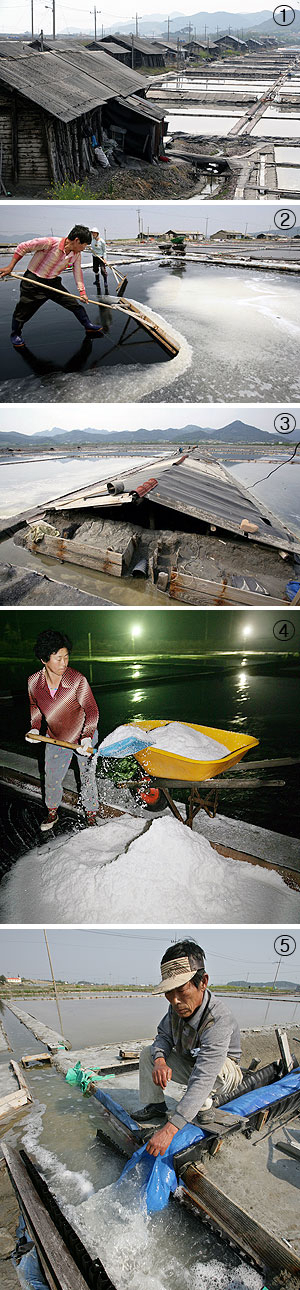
51,257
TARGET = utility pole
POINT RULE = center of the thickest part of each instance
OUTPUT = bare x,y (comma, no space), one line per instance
32,27
132,50
136,24
52,6
54,982
139,222
95,11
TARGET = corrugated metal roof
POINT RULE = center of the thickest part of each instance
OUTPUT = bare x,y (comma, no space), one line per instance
70,82
143,46
218,501
143,107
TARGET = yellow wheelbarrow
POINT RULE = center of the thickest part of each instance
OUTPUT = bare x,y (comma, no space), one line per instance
165,770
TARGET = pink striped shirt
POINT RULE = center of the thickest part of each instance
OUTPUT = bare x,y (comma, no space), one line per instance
50,259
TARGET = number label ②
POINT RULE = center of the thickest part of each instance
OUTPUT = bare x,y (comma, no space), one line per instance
285,219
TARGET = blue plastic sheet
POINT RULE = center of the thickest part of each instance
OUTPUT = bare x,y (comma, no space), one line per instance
159,1177
125,748
116,1110
30,1273
292,588
261,1097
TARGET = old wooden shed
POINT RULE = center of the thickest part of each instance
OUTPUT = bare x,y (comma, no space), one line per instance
53,100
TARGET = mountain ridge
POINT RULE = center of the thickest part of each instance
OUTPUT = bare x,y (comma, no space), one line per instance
234,432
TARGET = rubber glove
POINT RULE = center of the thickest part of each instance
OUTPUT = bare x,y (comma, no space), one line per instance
85,747
30,733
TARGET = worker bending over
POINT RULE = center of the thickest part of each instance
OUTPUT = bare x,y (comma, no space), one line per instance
197,1044
51,256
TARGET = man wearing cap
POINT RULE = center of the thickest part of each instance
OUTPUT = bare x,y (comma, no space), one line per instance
197,1044
98,248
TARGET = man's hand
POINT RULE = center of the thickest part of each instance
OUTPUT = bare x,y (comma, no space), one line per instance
5,273
161,1072
161,1140
83,296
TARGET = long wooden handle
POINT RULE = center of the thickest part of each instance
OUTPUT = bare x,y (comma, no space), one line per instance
61,743
127,307
57,292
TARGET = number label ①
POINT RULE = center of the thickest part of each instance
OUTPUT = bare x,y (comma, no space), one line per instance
284,15
285,423
285,945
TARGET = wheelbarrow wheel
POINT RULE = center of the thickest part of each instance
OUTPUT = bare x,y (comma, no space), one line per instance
151,798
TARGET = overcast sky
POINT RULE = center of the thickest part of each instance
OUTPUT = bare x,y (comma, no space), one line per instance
15,17
123,956
23,220
37,417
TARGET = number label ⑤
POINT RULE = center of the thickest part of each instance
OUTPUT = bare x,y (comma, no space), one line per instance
285,945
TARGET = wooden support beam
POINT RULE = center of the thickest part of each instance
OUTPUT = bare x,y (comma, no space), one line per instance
60,1269
21,1079
12,1101
236,1224
183,585
37,1059
81,553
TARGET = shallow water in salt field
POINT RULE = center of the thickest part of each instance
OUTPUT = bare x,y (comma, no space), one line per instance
196,124
239,333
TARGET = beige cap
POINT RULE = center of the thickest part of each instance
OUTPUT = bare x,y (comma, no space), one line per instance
174,973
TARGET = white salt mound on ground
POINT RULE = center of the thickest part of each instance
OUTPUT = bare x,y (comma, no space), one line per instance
130,871
180,739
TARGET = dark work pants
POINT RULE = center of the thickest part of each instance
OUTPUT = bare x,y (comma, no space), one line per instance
32,298
99,267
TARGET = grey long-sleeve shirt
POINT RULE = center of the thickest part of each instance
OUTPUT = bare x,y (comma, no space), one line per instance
204,1041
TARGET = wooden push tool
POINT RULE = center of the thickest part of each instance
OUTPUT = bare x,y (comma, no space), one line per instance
122,282
61,743
128,307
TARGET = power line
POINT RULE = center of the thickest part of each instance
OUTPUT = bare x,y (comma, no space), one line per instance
281,463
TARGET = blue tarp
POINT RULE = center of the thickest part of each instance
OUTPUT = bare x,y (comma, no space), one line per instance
125,747
29,1272
261,1097
116,1110
159,1177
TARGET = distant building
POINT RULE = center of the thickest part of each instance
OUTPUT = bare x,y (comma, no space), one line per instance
13,980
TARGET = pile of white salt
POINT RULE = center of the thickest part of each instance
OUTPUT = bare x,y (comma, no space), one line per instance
185,742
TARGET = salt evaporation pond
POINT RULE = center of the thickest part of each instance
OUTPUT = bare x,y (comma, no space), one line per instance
285,156
288,178
189,123
30,483
238,331
275,127
213,83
